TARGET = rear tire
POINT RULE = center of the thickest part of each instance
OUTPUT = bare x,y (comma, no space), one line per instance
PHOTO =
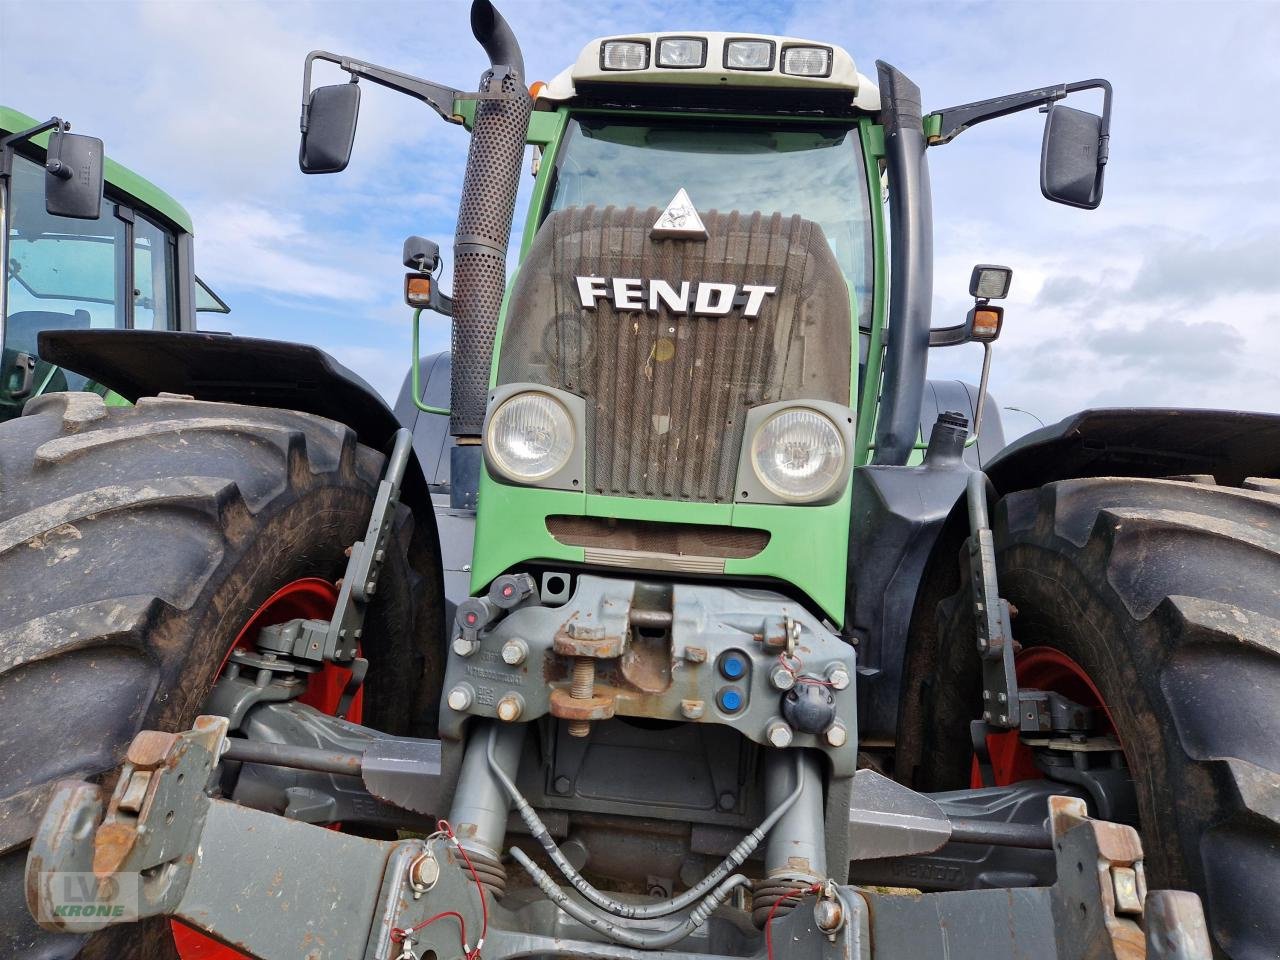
1168,594
134,545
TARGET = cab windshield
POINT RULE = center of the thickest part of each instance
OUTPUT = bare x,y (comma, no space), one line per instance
815,170
116,271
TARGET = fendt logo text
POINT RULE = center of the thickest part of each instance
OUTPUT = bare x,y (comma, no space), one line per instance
702,299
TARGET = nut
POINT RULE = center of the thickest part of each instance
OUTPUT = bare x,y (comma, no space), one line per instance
514,652
510,707
461,697
779,734
837,735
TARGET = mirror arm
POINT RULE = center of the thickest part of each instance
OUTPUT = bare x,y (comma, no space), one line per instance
7,143
1104,131
953,121
435,95
956,120
951,336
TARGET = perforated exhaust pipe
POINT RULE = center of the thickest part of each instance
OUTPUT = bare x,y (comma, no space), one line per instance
494,161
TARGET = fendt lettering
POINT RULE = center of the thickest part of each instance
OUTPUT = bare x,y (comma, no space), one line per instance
708,299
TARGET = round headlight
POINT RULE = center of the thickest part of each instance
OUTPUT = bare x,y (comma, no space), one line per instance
798,454
530,437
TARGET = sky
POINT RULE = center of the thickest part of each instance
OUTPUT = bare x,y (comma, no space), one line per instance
1166,295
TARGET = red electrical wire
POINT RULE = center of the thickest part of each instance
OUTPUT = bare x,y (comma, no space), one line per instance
786,661
398,934
768,923
484,905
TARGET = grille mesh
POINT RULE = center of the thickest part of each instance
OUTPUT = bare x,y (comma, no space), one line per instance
667,392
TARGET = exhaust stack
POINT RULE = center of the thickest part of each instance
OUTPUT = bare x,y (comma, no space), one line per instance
494,161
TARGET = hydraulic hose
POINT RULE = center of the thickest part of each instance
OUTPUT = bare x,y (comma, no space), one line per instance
631,911
640,940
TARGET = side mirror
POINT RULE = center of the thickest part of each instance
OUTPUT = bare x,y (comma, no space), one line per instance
329,128
1073,157
73,176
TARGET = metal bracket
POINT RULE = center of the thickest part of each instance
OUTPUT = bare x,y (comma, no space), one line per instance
337,639
990,614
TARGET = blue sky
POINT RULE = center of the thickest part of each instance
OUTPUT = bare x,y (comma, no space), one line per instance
1166,295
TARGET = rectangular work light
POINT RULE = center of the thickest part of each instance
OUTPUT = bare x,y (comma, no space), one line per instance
748,55
807,61
624,55
682,53
990,282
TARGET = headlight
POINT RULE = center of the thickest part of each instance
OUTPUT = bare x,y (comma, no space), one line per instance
798,454
530,437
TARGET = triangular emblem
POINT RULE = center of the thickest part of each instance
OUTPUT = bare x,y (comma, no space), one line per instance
680,221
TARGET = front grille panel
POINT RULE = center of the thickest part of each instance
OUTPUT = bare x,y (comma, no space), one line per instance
667,392
647,536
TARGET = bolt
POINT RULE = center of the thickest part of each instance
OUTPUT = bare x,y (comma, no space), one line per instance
838,677
563,785
464,647
782,678
986,715
986,694
828,916
727,801
423,874
461,697
514,651
1002,697
837,735
692,709
581,687
510,707
779,734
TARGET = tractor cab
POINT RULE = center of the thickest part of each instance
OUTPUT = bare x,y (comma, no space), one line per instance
122,260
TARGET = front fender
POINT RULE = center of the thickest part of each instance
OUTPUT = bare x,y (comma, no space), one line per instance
1228,445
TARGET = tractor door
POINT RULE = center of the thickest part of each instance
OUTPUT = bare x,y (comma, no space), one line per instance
117,271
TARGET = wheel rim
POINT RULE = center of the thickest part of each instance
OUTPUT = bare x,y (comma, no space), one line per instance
309,598
1040,668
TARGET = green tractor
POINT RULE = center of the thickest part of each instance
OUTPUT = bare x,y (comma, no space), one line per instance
70,268
765,652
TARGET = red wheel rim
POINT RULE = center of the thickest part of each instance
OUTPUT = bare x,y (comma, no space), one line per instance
1040,668
310,599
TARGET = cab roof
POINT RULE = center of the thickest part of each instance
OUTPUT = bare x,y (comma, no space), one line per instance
841,77
120,178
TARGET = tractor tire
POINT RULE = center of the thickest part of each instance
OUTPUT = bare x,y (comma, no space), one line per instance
135,542
1167,593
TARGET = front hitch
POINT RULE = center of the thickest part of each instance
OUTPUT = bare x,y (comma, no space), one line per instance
279,889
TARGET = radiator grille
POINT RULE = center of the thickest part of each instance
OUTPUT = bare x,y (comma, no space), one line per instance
667,392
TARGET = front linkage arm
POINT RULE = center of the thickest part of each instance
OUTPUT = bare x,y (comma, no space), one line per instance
280,889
